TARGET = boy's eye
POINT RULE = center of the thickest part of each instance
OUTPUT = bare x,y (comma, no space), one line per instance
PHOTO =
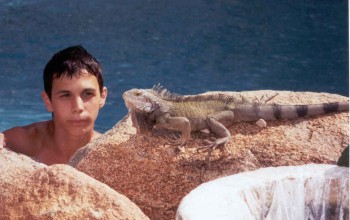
63,95
88,94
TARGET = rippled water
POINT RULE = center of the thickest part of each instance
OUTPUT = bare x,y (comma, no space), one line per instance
188,46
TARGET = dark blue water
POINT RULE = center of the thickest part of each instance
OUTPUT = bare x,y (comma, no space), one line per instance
189,46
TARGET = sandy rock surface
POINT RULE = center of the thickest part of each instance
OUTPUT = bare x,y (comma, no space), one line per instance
31,190
156,175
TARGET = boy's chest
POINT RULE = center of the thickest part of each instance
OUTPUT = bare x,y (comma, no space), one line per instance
50,157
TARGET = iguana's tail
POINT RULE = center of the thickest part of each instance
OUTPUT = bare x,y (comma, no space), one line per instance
278,112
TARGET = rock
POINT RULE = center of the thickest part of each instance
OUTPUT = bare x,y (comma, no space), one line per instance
1,140
31,190
156,175
261,123
294,192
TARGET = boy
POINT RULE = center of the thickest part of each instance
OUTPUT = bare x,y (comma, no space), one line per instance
74,93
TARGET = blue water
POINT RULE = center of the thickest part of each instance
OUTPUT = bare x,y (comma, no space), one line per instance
189,46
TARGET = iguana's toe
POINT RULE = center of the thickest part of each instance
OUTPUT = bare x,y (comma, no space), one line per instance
212,145
208,145
172,137
176,140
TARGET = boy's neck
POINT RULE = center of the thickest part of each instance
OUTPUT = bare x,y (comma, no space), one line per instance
66,143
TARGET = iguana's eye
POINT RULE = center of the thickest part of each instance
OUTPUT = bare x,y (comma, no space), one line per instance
147,109
138,93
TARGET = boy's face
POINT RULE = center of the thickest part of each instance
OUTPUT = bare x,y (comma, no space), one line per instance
75,103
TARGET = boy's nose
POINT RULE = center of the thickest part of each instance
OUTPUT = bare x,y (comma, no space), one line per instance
77,105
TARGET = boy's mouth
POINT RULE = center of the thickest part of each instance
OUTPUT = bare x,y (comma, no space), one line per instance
78,122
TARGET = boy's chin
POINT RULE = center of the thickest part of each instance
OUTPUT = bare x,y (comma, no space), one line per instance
80,131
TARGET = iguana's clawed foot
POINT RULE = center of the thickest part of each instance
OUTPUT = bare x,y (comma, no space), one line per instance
210,145
176,140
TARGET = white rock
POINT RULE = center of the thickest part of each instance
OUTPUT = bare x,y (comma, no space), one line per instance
300,192
261,123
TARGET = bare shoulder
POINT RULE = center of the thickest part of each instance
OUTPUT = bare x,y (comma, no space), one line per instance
24,139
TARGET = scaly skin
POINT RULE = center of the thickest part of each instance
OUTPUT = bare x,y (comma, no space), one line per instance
217,111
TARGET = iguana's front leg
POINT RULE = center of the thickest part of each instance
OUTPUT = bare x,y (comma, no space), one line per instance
141,122
181,124
217,124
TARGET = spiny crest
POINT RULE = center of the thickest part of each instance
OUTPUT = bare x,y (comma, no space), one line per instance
159,90
163,93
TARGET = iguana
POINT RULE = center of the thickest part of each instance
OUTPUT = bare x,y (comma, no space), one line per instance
215,112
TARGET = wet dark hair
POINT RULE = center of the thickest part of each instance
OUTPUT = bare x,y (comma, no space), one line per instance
69,62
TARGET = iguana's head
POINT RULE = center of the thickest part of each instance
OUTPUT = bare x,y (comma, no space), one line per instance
141,100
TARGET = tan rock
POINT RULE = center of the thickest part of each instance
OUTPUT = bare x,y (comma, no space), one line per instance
31,190
156,175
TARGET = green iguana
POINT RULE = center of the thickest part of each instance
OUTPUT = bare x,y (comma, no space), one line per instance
215,112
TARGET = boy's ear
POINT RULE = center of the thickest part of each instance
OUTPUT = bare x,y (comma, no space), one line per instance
103,97
47,101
